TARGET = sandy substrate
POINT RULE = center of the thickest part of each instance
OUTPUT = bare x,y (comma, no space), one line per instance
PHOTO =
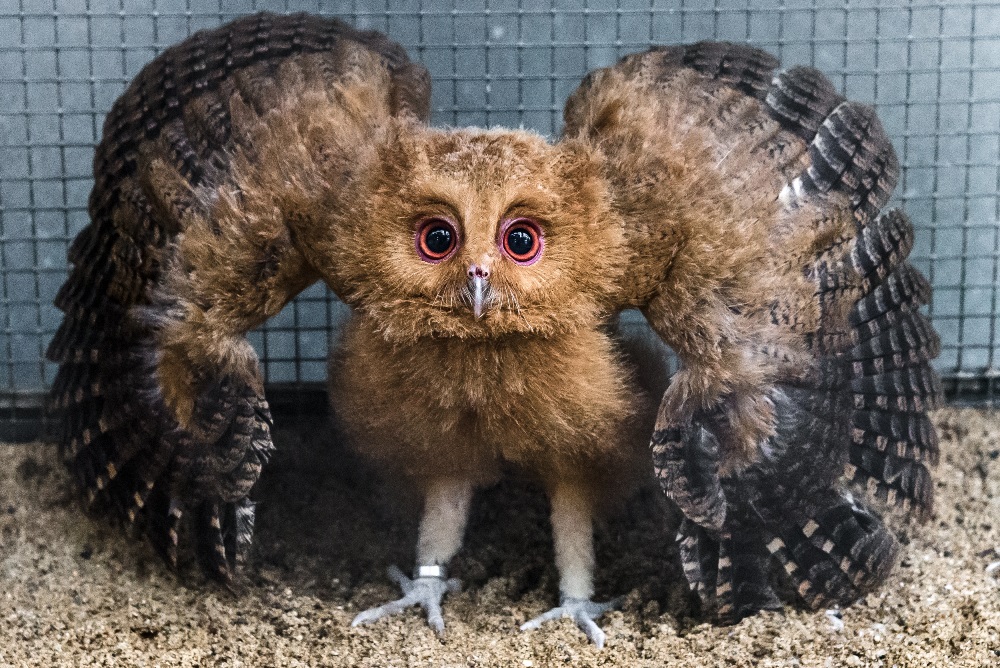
75,591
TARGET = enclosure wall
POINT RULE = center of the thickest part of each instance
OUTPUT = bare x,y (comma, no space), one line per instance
932,69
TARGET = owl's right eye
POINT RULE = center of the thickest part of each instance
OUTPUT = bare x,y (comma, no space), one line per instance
436,240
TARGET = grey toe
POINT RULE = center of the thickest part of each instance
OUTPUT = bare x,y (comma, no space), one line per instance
426,592
580,610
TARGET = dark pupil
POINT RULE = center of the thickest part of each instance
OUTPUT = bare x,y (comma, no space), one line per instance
439,240
520,242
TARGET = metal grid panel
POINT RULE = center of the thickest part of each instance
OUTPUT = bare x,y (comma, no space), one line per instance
932,68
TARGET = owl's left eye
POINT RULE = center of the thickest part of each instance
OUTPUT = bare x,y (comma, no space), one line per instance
521,240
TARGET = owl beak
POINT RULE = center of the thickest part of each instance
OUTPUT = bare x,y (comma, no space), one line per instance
479,286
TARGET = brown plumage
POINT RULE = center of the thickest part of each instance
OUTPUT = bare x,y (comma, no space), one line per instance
789,301
736,208
160,396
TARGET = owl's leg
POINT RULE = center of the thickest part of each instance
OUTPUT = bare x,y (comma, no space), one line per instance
446,510
573,537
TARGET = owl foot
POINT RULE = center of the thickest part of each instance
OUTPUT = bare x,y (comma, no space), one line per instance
582,611
426,592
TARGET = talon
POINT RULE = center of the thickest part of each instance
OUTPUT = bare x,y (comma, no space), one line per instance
427,592
580,610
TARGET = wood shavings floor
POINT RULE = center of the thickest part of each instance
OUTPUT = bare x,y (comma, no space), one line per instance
77,592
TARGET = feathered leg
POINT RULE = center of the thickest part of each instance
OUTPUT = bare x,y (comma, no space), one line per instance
446,511
573,536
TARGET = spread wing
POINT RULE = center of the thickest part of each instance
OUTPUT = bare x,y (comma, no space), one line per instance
752,200
159,400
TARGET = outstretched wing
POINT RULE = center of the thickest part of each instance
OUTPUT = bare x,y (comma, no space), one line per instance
751,199
156,263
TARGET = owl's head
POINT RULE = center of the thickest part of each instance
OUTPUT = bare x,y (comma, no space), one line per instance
475,233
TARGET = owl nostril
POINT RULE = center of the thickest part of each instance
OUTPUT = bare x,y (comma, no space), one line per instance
481,272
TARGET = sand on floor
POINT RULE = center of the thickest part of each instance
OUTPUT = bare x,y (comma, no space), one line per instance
76,591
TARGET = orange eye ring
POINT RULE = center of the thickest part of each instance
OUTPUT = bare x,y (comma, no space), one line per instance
521,240
436,240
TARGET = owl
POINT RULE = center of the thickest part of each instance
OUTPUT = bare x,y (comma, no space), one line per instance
737,206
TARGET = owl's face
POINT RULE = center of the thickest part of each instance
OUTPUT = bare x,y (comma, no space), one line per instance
478,234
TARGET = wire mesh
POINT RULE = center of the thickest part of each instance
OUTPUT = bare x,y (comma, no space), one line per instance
932,69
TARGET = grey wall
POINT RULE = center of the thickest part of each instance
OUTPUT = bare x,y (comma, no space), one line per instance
931,68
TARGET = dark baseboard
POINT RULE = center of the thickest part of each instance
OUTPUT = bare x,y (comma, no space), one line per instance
22,414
